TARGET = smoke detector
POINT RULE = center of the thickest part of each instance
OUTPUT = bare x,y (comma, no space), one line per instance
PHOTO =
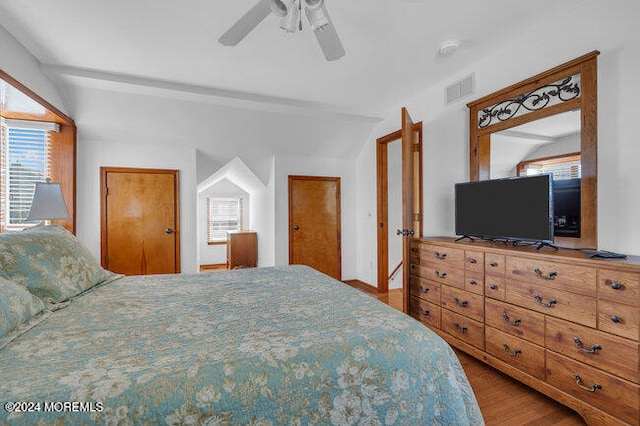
449,47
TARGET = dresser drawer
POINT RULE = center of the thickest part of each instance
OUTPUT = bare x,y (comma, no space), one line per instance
562,276
463,328
474,282
424,289
514,320
621,320
442,274
428,313
474,261
517,352
441,257
463,302
613,354
495,287
557,303
609,393
621,287
494,264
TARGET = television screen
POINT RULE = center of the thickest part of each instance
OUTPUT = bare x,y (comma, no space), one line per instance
515,208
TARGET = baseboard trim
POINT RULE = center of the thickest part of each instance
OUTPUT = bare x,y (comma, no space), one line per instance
361,285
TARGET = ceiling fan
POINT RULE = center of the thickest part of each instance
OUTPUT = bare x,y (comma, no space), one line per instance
290,13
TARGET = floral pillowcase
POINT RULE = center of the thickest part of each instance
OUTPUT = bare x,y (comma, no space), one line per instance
17,306
50,262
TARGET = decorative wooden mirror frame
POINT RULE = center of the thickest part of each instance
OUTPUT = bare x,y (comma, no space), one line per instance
567,87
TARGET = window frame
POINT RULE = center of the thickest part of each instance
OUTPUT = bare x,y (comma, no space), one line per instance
63,145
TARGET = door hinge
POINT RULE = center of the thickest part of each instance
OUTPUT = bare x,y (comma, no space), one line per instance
106,190
417,217
416,147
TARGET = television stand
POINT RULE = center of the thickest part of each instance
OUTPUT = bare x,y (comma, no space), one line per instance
463,237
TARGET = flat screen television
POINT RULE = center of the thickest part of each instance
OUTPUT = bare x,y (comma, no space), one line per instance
519,209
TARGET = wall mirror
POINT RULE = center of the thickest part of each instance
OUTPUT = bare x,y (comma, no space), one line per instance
545,124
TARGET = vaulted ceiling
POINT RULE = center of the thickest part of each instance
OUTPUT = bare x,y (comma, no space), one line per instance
391,45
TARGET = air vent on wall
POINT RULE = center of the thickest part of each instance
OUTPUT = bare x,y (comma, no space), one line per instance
460,89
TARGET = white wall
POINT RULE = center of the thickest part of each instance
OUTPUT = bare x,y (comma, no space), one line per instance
216,254
446,129
310,166
93,154
16,61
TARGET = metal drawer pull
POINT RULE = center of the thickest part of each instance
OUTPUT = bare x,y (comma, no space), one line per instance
414,250
546,305
591,389
516,322
472,260
493,264
593,349
459,329
616,286
493,286
473,282
414,267
514,353
441,256
615,319
423,312
462,304
441,275
550,276
424,289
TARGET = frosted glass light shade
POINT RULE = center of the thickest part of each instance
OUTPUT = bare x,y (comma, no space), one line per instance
48,203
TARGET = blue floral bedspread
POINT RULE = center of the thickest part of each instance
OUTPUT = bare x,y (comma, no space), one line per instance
268,346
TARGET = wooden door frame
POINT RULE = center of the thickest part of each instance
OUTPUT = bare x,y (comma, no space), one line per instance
103,207
338,213
382,181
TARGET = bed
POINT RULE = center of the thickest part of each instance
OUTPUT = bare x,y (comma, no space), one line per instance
266,346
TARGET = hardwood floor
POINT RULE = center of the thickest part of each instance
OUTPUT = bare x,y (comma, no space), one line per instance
502,400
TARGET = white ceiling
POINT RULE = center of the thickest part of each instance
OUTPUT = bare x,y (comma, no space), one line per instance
391,45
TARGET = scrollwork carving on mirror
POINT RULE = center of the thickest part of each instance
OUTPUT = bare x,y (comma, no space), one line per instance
569,87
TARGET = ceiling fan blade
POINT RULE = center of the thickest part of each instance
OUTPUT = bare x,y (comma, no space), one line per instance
329,41
246,24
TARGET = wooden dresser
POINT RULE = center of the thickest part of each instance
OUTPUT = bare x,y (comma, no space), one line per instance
563,324
242,250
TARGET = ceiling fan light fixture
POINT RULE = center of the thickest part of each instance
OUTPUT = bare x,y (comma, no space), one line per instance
317,18
289,23
280,8
313,4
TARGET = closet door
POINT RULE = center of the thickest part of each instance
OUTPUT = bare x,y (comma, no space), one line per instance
140,220
314,223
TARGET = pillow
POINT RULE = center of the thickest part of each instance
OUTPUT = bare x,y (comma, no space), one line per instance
50,262
17,306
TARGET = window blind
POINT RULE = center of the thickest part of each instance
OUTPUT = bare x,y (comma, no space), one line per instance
25,160
224,214
564,170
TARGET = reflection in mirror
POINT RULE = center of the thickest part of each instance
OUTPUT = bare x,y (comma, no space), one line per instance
540,146
548,145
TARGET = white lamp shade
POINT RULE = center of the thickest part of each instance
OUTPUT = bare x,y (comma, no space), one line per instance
48,203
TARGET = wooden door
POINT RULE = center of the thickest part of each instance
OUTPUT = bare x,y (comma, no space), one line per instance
411,200
140,221
314,223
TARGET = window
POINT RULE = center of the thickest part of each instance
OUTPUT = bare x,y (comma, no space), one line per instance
223,214
25,158
562,166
